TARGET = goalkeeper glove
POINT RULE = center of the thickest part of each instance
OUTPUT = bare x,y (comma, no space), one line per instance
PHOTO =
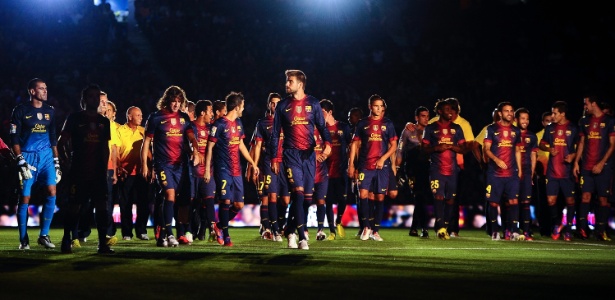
56,162
25,170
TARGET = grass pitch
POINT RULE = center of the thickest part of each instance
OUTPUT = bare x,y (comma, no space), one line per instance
471,266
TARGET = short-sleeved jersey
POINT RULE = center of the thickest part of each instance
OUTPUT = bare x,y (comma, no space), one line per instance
529,144
468,134
504,140
114,141
201,133
32,128
437,133
298,118
227,135
129,150
322,169
375,136
542,156
262,133
563,138
168,131
338,159
89,135
597,132
409,147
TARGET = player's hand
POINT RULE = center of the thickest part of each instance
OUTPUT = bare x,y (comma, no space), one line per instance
275,167
501,164
207,176
597,169
575,170
255,170
25,170
380,164
56,163
321,157
351,172
327,151
145,172
196,158
410,126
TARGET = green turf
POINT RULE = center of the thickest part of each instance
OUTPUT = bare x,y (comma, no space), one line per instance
471,266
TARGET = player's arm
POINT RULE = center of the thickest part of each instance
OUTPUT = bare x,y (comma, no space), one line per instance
275,140
399,154
145,154
196,158
390,151
113,157
246,155
533,159
600,165
351,158
580,148
255,152
210,149
518,159
492,156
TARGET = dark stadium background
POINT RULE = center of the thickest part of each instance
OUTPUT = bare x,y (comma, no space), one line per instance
412,53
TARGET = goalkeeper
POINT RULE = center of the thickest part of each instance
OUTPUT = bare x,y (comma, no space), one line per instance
33,139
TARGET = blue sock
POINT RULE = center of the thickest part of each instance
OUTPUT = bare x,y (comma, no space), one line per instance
47,215
378,211
232,212
273,216
330,216
22,220
167,211
493,218
265,216
300,215
364,212
223,215
320,215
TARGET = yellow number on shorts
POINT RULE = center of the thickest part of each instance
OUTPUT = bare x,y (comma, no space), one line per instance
261,185
361,176
435,184
581,181
223,184
489,189
268,179
289,173
163,176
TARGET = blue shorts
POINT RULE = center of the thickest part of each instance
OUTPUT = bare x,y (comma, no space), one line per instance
376,181
392,181
554,185
320,189
443,185
83,192
525,187
500,186
598,183
229,187
45,173
199,189
169,176
269,182
300,168
338,189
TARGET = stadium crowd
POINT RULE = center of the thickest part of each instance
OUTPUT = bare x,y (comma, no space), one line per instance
210,48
